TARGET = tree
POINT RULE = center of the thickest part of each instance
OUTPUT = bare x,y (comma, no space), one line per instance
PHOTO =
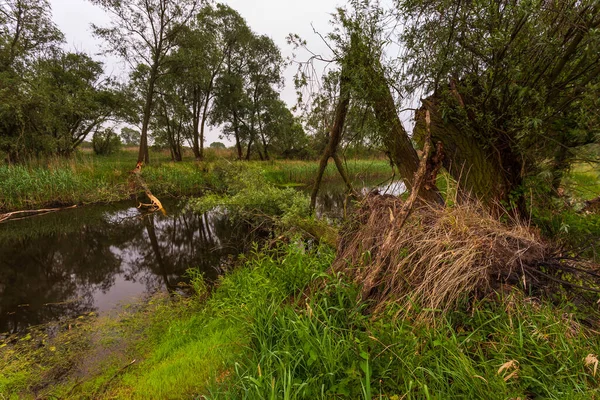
512,87
199,62
26,30
78,100
27,33
145,32
217,145
357,43
280,131
230,97
246,89
130,137
105,142
171,118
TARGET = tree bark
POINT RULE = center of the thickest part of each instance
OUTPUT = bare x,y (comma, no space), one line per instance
143,154
395,137
479,172
236,129
196,123
335,136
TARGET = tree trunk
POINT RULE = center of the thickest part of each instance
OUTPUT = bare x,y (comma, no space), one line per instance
236,131
250,142
478,171
335,136
264,140
143,155
204,116
195,123
395,137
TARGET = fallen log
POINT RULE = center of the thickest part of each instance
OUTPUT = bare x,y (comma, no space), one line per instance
18,215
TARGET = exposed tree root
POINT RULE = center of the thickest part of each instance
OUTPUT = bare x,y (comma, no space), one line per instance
440,255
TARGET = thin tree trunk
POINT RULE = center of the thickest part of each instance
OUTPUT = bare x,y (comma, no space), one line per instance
143,154
250,142
342,170
335,135
264,140
236,128
195,123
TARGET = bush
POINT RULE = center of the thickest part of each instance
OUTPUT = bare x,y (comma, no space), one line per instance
106,142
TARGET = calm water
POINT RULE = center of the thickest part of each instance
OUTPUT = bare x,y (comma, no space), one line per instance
95,258
333,200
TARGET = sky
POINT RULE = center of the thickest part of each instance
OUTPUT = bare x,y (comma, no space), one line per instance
275,18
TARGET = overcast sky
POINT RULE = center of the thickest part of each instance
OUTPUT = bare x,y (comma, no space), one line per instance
275,18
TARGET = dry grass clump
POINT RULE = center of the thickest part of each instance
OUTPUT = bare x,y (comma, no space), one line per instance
436,255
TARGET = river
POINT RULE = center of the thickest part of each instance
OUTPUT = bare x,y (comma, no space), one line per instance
98,258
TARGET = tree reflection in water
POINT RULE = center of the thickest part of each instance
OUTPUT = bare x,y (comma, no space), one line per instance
64,264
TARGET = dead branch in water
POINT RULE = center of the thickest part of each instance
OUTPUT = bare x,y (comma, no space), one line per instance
18,215
155,204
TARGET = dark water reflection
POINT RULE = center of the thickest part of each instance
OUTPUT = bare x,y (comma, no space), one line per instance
333,200
77,261
94,258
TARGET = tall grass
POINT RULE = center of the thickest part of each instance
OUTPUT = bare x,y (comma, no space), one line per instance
281,327
326,347
87,178
284,172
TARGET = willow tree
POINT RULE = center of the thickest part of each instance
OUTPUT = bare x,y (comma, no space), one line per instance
512,86
144,33
27,35
358,45
246,87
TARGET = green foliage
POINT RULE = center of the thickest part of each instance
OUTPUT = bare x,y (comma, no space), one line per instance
50,99
86,178
250,197
130,137
217,145
280,326
300,172
105,142
515,78
325,346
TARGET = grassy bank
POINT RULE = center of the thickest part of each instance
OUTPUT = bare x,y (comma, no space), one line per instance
87,178
281,327
284,172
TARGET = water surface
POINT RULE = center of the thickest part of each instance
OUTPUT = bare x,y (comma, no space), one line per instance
95,258
91,259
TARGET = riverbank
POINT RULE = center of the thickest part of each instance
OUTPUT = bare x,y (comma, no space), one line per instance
283,323
282,326
87,178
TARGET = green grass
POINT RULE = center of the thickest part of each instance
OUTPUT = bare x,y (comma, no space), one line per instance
262,334
583,181
326,346
281,326
302,172
87,178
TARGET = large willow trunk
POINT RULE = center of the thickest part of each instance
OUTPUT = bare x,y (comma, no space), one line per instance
487,172
394,136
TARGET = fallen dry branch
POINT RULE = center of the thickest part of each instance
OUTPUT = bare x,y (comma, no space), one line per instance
439,255
155,204
17,215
